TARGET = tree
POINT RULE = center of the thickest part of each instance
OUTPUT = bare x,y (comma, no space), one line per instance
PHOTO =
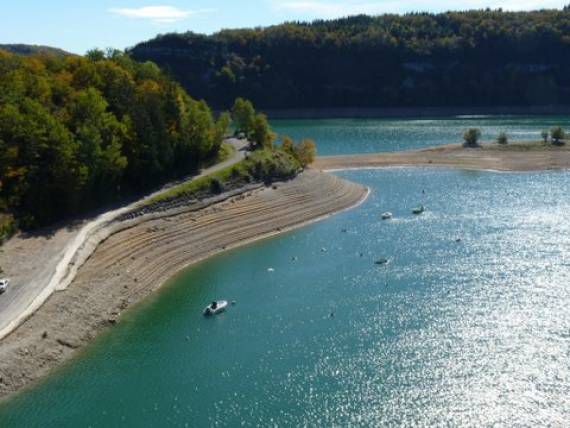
544,134
557,135
262,135
410,60
306,151
287,144
471,137
243,115
77,132
502,138
221,128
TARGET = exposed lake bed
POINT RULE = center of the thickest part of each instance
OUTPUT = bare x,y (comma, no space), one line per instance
456,328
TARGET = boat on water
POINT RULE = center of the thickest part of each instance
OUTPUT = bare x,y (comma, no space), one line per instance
3,285
419,209
387,215
216,307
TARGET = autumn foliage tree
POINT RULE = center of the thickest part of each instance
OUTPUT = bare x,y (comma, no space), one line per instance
305,151
78,132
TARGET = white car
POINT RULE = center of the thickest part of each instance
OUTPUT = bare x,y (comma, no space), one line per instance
3,285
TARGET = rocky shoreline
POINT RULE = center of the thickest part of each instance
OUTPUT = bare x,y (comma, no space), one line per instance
143,252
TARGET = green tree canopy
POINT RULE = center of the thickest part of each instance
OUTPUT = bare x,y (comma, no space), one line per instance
474,58
557,135
471,137
79,132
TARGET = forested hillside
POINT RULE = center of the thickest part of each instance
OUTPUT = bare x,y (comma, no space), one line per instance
78,132
23,49
477,58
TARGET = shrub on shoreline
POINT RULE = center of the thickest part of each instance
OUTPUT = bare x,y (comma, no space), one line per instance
471,137
557,135
502,138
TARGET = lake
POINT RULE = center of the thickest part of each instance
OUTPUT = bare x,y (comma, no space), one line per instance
346,136
468,323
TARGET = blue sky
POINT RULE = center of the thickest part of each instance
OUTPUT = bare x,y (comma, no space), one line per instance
77,26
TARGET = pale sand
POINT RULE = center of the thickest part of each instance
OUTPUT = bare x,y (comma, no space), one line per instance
134,262
490,157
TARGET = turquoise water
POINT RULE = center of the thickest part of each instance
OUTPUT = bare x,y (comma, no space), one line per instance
471,332
344,136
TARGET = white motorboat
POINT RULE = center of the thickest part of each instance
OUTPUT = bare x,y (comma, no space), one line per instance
216,307
3,285
387,215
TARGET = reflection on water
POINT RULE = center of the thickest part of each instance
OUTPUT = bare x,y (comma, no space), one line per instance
468,324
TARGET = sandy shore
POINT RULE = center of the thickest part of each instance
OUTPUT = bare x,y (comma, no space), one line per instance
134,262
489,157
48,260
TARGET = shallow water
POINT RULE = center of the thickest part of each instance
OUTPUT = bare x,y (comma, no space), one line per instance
345,136
470,332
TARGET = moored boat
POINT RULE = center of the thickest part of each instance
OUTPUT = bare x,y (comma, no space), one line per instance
216,307
418,210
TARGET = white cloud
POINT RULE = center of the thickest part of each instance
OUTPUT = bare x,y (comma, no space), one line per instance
158,14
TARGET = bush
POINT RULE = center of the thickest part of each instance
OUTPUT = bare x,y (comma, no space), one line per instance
7,226
557,135
502,138
305,152
471,137
216,186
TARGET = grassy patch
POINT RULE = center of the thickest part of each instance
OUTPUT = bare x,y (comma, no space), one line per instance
260,166
226,151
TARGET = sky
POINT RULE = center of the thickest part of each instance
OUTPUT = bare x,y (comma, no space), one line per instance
78,26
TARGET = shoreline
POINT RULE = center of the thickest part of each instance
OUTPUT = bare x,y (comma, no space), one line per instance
133,258
488,157
133,262
415,112
58,255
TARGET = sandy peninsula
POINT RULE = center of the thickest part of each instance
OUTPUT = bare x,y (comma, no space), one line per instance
490,156
135,261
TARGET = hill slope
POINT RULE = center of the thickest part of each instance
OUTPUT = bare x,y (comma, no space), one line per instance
77,133
23,49
450,59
